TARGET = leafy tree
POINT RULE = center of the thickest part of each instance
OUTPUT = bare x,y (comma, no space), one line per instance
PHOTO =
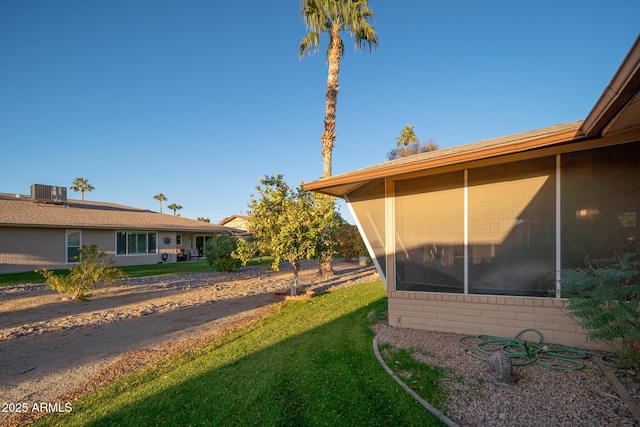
174,207
94,268
350,243
286,223
81,184
203,219
408,144
161,198
330,17
218,252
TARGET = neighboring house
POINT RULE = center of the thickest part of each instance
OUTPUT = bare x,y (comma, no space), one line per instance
40,233
472,239
238,222
235,221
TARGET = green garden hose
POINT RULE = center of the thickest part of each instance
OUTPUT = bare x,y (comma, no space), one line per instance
526,352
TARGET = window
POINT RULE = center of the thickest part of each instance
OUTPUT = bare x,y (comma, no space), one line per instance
201,241
178,239
74,242
136,242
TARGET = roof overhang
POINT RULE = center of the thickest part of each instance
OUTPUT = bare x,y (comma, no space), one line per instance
339,185
617,111
618,108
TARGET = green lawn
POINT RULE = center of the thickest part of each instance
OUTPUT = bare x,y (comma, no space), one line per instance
311,363
130,271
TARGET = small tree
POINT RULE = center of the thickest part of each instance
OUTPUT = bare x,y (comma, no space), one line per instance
606,297
94,268
81,185
285,223
161,198
349,242
174,207
218,252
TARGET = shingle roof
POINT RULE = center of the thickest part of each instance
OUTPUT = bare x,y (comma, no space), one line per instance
20,211
338,185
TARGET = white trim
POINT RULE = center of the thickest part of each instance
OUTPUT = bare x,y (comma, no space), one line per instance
465,242
558,228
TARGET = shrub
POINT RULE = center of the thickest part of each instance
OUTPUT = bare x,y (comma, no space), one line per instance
606,296
218,252
94,268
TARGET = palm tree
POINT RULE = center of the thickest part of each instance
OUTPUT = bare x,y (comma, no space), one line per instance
408,144
407,137
331,17
81,185
161,198
175,207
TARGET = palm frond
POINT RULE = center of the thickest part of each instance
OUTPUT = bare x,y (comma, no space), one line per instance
309,44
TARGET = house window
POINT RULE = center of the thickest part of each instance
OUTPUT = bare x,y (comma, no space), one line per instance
178,239
136,242
74,242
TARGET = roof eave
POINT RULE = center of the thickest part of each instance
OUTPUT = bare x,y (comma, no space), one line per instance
622,88
339,185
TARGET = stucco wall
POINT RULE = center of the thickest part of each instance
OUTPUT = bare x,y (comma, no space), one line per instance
24,249
488,315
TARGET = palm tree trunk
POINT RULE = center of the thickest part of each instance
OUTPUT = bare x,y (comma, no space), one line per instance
329,134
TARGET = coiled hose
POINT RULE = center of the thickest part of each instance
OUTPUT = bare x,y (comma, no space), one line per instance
526,352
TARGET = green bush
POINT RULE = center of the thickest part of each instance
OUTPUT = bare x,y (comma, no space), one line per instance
606,297
94,268
218,252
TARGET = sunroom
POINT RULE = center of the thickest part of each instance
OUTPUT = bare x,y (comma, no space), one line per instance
474,239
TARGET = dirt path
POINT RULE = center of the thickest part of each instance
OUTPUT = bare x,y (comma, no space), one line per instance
53,349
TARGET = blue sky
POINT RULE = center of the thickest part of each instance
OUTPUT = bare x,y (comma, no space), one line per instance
198,99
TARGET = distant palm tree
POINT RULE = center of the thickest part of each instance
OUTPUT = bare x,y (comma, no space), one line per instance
331,17
161,198
407,137
408,144
175,207
81,185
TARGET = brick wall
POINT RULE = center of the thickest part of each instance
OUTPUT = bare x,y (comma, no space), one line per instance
488,315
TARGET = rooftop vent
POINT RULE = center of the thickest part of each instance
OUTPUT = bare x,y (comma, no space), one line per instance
48,193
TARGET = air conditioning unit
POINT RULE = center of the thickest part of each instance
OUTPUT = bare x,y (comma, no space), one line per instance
48,193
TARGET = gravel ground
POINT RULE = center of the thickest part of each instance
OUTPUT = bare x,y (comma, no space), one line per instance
539,397
53,350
